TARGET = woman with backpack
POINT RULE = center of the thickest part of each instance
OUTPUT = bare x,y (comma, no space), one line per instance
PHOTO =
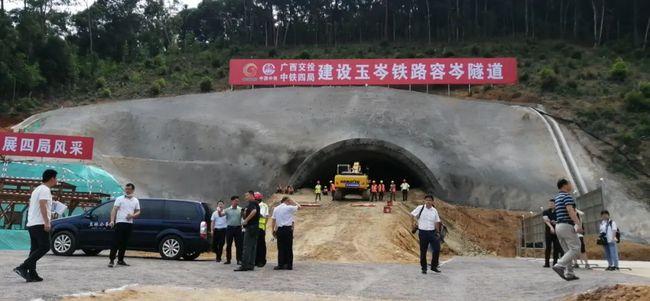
608,238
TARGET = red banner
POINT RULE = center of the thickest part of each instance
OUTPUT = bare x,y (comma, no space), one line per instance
343,72
41,145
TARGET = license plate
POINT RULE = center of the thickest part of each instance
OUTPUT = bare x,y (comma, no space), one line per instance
353,185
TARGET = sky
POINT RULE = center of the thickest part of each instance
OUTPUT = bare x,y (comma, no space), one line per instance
80,4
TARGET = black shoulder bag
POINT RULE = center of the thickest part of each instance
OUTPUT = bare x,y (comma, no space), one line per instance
414,229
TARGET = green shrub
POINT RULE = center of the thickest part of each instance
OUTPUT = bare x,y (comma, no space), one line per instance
206,84
384,44
636,102
430,51
645,89
273,53
523,77
304,55
548,79
100,82
221,73
576,55
448,53
161,82
105,93
475,51
619,70
155,89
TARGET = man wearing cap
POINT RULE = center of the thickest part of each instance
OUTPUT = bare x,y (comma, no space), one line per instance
251,230
405,190
382,190
317,191
260,258
332,189
282,225
393,190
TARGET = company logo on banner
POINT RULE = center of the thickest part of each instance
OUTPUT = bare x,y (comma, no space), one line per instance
42,145
455,71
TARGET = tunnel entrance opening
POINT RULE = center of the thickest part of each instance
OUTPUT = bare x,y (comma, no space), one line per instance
381,160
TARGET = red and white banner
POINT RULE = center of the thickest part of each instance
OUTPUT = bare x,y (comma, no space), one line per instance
333,72
42,145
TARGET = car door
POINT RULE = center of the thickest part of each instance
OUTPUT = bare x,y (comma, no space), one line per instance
93,228
147,226
184,217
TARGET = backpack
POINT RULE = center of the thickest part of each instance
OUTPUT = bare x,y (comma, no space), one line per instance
617,235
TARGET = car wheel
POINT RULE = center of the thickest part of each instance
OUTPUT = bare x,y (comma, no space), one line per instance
91,252
191,255
171,247
63,243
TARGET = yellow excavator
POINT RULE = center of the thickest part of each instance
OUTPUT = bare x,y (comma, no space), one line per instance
350,180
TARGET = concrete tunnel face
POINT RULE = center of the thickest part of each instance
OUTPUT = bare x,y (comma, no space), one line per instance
381,160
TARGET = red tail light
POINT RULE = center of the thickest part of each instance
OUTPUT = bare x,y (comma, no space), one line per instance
204,230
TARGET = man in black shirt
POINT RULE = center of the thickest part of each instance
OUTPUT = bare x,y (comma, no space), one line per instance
251,224
551,239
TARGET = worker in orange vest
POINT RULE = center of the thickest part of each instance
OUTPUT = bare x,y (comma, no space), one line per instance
393,190
382,190
373,191
332,189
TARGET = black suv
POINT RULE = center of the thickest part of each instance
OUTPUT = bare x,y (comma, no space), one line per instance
174,228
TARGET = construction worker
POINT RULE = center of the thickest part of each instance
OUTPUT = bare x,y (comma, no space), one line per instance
405,190
260,258
382,190
373,191
393,190
318,191
332,189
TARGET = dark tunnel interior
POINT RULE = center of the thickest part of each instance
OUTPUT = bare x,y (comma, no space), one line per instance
378,166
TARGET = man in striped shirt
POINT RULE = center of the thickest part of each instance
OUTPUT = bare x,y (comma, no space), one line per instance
566,229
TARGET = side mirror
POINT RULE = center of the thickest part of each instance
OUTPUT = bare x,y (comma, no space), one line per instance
88,215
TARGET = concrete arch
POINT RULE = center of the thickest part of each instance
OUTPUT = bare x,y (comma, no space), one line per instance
421,175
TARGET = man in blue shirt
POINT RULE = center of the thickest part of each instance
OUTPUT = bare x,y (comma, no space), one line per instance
566,229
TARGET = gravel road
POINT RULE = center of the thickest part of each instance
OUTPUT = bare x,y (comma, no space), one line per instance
463,278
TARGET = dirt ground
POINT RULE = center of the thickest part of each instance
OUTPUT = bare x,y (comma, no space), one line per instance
339,231
616,292
158,293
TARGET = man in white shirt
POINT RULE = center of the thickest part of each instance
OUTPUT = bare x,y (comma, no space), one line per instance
125,209
38,225
405,190
608,229
283,219
428,222
219,225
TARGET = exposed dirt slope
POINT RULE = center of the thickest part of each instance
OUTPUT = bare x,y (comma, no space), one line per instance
616,292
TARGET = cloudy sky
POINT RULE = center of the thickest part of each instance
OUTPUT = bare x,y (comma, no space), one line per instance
81,4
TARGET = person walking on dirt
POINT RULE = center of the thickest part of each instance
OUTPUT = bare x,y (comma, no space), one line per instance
219,226
428,227
125,209
566,229
551,242
382,190
251,224
233,231
318,191
332,189
38,226
374,188
260,258
282,225
393,191
405,190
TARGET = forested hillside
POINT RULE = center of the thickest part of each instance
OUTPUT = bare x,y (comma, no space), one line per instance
585,60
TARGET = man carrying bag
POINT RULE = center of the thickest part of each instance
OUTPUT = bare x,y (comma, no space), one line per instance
428,225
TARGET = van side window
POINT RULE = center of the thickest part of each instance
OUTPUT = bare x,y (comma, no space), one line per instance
183,211
103,212
152,209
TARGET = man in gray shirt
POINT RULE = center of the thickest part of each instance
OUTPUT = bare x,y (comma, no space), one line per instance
233,232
